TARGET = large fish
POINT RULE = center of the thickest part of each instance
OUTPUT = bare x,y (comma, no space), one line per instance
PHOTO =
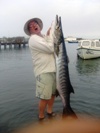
64,86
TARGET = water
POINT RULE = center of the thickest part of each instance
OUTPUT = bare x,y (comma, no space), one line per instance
18,104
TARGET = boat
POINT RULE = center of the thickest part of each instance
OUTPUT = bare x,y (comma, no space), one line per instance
88,49
73,41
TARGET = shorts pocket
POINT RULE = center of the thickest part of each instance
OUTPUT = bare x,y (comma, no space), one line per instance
39,89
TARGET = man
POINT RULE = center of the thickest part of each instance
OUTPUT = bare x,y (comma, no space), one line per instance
42,50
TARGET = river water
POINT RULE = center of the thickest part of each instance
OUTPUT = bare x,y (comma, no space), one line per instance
18,104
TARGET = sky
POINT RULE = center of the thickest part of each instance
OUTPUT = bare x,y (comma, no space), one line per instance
80,18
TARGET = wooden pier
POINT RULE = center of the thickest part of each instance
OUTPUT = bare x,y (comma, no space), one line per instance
12,45
13,42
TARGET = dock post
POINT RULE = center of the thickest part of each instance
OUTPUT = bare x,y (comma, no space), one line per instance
0,45
5,45
14,45
19,45
24,45
10,46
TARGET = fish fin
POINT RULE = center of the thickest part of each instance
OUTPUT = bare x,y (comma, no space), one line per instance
71,89
68,112
57,93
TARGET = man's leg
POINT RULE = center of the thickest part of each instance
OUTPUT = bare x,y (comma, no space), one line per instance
47,80
42,107
50,104
43,104
51,101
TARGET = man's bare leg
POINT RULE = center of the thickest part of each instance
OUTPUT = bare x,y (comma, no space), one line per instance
42,107
50,104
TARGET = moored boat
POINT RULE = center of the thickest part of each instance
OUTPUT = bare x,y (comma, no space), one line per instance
73,41
88,49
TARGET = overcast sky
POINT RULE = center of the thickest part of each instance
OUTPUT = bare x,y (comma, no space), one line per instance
80,18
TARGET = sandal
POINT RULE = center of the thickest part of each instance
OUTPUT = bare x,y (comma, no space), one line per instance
50,115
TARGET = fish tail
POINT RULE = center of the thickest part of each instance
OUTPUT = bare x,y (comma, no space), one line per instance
68,112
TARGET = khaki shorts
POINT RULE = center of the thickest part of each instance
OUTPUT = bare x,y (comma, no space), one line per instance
46,85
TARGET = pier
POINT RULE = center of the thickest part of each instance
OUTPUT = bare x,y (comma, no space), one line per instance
13,45
13,42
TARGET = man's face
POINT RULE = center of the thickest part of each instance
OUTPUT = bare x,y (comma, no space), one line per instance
34,28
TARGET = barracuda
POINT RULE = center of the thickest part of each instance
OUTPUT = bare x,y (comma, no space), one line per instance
64,86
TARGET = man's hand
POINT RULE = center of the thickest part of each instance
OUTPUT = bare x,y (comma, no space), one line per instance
48,32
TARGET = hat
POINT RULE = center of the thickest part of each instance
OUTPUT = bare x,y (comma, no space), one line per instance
37,20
